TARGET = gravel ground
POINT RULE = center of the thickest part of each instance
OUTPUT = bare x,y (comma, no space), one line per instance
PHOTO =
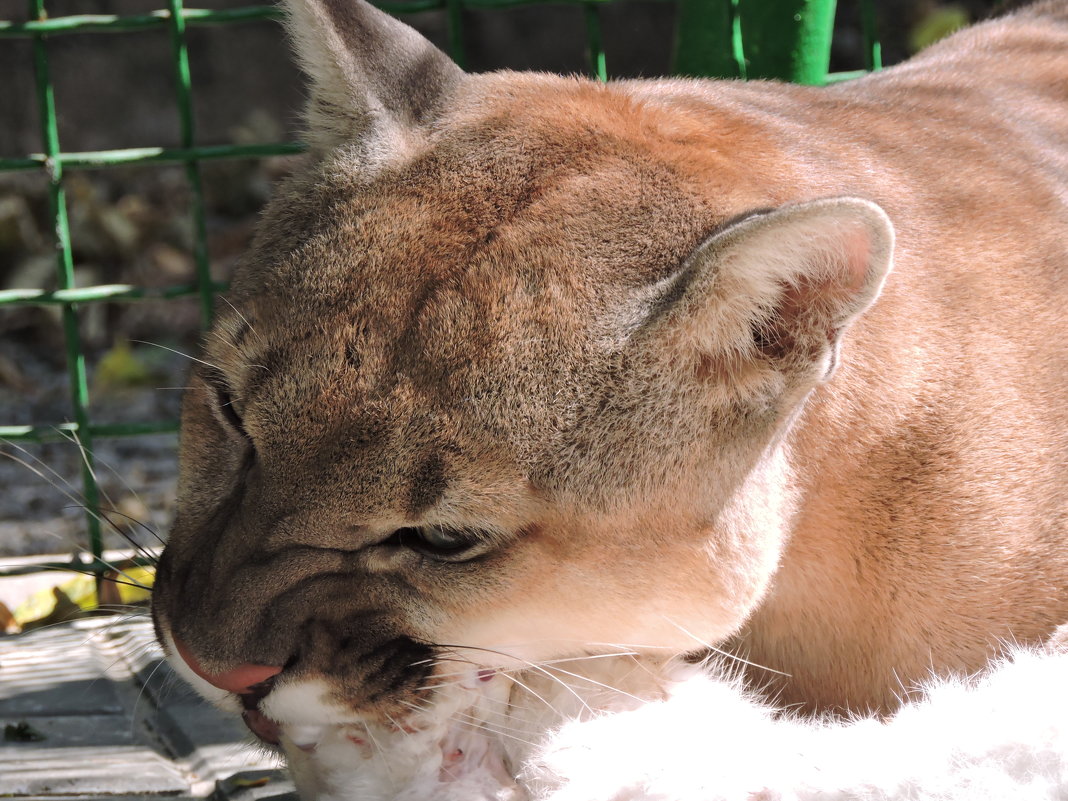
40,504
41,510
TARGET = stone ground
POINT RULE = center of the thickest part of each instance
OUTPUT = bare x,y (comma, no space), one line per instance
91,711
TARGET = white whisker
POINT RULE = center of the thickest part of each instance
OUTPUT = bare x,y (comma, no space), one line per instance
482,726
597,683
237,311
721,652
144,688
546,663
385,762
535,666
397,725
526,688
74,499
178,352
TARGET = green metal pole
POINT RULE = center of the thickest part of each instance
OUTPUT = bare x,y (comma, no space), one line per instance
79,385
873,49
594,42
788,40
704,39
192,169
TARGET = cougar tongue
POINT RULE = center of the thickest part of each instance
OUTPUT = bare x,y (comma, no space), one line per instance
261,725
258,723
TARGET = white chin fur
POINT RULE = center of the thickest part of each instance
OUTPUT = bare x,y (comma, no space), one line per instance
679,733
304,705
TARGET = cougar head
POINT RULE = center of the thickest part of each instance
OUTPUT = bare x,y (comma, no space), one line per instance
503,378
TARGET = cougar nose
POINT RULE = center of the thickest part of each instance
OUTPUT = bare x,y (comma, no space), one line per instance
241,680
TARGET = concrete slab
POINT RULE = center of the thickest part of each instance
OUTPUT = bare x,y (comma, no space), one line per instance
93,771
96,713
55,671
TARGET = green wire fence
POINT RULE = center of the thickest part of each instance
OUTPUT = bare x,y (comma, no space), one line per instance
785,39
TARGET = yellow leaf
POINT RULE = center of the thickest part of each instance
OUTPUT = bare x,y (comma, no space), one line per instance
145,576
121,368
259,782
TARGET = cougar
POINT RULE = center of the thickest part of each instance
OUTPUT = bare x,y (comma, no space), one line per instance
523,369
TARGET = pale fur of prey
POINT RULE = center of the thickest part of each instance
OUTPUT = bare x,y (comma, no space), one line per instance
679,732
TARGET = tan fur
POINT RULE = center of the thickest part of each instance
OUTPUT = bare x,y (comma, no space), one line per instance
645,341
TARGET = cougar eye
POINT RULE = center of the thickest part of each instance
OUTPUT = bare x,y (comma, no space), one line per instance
224,403
433,541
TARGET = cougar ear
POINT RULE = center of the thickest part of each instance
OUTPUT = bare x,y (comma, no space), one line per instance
374,81
780,286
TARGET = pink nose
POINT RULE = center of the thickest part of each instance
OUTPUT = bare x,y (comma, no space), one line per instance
239,680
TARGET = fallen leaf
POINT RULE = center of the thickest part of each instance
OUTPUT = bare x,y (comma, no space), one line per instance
8,624
259,782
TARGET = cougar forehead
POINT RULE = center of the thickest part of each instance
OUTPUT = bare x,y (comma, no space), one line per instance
467,304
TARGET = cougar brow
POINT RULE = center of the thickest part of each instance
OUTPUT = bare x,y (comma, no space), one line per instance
427,486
